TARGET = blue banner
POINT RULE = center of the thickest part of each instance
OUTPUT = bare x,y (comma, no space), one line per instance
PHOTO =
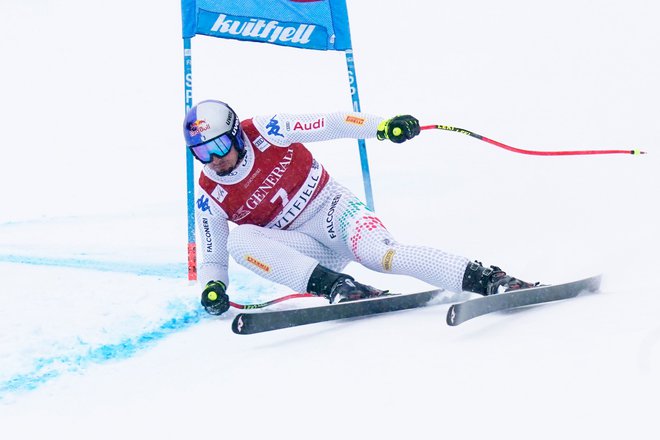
305,24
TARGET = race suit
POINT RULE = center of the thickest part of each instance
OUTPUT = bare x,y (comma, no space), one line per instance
291,215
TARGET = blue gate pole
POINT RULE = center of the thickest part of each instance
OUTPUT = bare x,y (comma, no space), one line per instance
362,146
190,168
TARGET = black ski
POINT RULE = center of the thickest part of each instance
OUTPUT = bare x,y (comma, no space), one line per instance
249,323
459,313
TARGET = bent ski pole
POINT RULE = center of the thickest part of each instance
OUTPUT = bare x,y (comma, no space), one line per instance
271,302
531,152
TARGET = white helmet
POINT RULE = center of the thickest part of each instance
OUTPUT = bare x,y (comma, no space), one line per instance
212,127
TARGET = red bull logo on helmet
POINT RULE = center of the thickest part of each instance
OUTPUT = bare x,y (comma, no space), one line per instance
198,127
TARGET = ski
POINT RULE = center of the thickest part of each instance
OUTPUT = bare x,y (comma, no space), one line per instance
249,323
459,313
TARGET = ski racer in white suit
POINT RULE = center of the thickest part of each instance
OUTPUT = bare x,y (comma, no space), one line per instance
297,226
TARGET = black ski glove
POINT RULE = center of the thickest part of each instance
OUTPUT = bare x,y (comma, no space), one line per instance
398,129
214,298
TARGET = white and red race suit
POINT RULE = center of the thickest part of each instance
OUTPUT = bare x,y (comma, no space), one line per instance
292,215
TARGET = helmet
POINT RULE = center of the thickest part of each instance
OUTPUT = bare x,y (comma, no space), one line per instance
212,127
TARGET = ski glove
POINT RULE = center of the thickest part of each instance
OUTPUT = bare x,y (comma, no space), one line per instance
398,129
214,298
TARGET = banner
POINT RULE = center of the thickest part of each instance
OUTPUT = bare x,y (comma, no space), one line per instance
305,24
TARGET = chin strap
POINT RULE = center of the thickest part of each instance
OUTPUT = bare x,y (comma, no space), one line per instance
241,153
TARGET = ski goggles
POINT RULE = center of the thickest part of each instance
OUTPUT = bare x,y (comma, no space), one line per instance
220,146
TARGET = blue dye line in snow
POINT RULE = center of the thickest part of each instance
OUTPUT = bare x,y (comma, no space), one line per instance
175,270
46,369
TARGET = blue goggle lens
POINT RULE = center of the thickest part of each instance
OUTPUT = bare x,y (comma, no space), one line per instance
219,146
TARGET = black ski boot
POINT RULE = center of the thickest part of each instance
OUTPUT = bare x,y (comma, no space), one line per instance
338,287
491,280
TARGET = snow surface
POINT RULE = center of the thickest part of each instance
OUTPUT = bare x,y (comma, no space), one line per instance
101,335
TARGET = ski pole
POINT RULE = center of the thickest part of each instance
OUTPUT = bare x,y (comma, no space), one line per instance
531,152
271,302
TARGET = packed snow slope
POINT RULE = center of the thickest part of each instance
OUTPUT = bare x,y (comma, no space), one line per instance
102,336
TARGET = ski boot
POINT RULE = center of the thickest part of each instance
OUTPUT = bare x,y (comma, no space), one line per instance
491,280
338,287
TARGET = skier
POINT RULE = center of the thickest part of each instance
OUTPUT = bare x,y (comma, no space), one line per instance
296,225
